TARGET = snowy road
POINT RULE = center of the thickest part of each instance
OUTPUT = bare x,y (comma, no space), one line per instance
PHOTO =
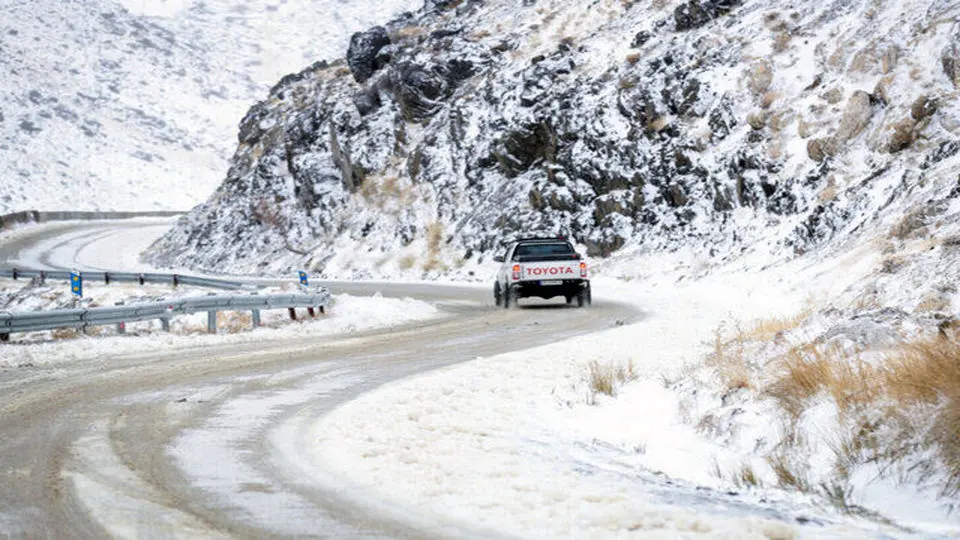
214,440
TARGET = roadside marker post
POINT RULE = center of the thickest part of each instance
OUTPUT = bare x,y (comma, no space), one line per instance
76,283
304,279
76,287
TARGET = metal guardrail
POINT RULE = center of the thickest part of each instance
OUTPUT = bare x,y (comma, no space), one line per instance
37,216
128,277
163,310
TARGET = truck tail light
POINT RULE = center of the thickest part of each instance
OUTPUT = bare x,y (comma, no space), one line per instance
583,270
516,271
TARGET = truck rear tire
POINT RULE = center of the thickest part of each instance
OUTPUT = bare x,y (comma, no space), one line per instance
584,297
497,297
508,298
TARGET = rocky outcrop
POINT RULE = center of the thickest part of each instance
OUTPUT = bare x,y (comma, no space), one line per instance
687,141
363,56
697,13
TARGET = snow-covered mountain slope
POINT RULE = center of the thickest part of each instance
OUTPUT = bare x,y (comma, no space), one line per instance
630,126
132,104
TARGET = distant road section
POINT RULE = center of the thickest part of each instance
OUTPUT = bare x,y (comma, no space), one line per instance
37,216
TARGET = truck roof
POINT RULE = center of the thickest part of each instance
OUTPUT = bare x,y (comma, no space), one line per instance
541,239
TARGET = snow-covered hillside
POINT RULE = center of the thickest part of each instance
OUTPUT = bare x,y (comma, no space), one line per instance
627,125
132,104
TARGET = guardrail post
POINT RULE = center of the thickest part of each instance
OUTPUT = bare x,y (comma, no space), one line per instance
106,278
165,324
43,277
15,274
176,280
312,312
4,337
293,313
322,309
121,326
212,322
256,318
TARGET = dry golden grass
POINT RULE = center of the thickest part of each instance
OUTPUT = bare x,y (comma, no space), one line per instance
828,193
788,476
607,378
771,327
729,361
933,303
233,322
810,370
409,32
768,99
65,333
383,191
909,225
881,405
434,239
746,477
781,41
729,357
926,374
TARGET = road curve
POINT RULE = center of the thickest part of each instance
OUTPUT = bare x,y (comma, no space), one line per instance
203,441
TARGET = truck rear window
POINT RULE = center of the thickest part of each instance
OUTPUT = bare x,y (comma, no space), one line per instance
544,250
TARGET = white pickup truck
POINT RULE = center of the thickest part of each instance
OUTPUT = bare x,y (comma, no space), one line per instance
543,267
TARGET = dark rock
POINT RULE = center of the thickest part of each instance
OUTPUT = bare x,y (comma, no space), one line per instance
681,97
293,78
362,53
367,101
950,58
445,33
946,150
525,146
419,90
924,107
640,39
697,13
29,127
459,70
676,196
442,5
250,130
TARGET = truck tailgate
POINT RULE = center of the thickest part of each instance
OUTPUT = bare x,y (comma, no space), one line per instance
550,271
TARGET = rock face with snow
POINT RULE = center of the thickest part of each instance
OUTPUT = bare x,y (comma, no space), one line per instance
626,125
